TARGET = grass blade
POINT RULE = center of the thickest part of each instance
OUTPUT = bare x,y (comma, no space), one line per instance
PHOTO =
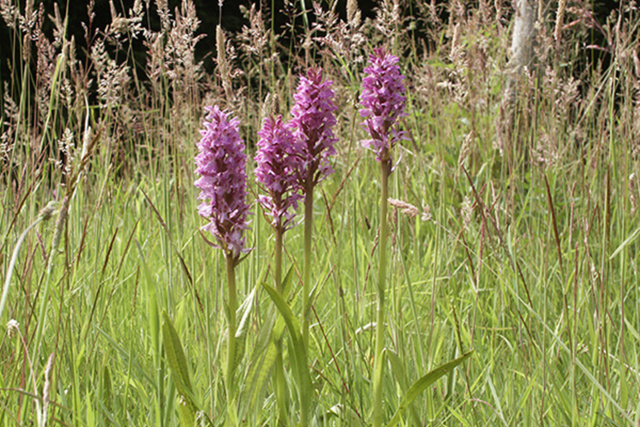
421,384
299,358
174,352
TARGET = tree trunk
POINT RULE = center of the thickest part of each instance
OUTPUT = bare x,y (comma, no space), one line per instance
522,42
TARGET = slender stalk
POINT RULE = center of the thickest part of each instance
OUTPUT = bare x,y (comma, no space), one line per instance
306,284
12,264
378,369
46,213
306,287
232,305
278,259
60,223
281,385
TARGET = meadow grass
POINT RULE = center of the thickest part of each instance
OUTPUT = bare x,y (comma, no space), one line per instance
521,244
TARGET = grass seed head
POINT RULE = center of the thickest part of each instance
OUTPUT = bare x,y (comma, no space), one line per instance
13,328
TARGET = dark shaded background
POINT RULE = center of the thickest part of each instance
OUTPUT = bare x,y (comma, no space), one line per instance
208,13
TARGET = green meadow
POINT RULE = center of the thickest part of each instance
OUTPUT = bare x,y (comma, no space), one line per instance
512,218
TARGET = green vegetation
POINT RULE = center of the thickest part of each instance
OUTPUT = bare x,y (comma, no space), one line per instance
512,235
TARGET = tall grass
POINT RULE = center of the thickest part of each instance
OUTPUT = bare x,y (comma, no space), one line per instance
514,232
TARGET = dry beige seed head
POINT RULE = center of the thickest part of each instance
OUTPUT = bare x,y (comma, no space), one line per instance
86,142
137,7
465,150
405,208
9,13
67,151
47,385
223,66
57,235
557,33
426,213
466,210
455,44
220,44
353,13
48,211
13,328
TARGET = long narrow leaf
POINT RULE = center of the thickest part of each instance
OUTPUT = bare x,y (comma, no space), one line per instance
261,362
423,383
264,352
175,356
256,381
174,352
400,374
299,360
292,323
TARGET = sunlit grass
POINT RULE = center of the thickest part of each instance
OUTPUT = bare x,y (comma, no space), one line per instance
524,248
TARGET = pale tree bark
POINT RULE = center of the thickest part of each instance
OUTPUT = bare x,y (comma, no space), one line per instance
510,136
521,42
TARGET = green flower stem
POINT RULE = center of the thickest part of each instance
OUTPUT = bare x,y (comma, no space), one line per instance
278,259
378,369
232,305
281,385
306,288
306,284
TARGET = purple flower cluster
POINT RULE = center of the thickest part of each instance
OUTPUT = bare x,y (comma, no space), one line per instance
276,171
383,102
221,165
313,122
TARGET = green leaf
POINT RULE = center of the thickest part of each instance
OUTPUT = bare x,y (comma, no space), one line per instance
243,313
326,271
152,302
175,355
398,368
400,374
279,326
299,360
263,355
129,358
287,282
91,413
262,358
258,375
186,411
292,323
423,383
624,244
106,386
174,352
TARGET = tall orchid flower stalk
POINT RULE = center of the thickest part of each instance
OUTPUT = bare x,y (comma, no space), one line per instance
221,163
383,103
276,173
312,122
